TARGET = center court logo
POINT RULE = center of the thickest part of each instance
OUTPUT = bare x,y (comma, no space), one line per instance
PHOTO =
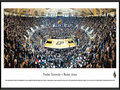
59,42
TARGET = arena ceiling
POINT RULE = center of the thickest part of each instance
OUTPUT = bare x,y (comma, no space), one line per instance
75,11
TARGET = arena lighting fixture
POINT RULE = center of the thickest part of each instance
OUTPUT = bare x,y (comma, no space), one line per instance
32,30
54,11
28,32
36,27
46,15
29,35
89,33
25,37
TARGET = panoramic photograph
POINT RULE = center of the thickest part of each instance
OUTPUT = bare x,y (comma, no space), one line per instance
59,38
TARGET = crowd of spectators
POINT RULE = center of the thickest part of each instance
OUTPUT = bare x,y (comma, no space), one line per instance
99,52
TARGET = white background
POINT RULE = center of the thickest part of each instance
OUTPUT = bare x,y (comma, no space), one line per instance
37,74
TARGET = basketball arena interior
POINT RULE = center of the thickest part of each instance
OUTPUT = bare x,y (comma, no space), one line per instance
60,38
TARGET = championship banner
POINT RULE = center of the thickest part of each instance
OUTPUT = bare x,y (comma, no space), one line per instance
60,22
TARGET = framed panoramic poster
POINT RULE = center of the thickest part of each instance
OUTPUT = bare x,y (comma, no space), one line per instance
60,45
